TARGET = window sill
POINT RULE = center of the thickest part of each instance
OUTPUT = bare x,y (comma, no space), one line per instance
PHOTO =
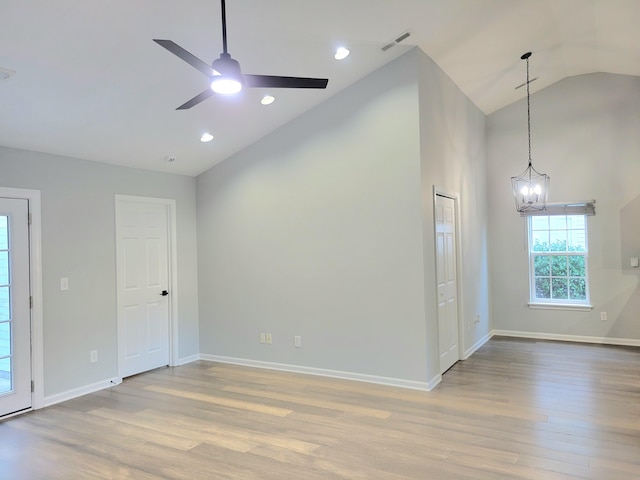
560,306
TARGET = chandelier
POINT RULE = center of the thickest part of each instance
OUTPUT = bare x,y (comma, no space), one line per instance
530,188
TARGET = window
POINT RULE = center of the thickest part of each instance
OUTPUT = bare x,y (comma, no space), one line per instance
558,251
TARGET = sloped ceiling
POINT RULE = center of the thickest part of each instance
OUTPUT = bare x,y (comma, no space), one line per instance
91,84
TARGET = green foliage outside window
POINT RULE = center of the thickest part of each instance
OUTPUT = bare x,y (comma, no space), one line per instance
559,276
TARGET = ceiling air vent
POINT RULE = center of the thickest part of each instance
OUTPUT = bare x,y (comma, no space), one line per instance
5,73
397,40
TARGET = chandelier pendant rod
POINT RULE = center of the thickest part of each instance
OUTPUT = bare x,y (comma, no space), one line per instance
526,57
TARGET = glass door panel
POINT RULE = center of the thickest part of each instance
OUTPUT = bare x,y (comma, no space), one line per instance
6,380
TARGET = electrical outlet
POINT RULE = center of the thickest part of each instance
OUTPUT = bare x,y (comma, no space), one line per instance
93,356
64,283
297,341
263,338
268,338
603,316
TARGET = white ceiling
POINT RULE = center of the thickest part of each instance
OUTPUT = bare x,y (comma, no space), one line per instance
91,84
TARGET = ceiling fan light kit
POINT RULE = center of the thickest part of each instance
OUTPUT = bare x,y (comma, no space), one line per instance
225,75
227,78
530,188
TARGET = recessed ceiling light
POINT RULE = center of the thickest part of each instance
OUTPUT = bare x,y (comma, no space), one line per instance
341,53
267,100
206,137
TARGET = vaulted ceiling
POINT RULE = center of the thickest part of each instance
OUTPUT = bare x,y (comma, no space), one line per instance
90,83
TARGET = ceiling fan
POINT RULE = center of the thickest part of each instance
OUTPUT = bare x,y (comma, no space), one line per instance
225,76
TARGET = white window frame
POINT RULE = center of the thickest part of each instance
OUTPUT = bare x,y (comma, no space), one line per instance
551,303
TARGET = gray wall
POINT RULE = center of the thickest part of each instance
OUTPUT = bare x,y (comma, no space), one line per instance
323,229
78,242
453,159
585,136
320,229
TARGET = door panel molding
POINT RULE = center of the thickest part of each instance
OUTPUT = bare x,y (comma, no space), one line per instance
437,191
172,272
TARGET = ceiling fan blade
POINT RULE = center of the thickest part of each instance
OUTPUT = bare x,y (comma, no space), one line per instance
284,82
191,59
201,97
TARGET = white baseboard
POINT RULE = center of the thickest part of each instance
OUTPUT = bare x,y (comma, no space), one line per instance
470,351
360,377
434,382
322,372
189,359
628,342
78,392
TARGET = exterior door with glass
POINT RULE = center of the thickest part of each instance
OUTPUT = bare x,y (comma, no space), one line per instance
15,311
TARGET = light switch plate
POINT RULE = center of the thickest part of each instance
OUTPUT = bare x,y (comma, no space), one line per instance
634,262
64,283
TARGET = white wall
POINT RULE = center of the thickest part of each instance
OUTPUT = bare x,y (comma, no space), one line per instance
78,242
585,136
317,230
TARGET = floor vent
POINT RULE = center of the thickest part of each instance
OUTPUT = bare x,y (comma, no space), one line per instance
397,40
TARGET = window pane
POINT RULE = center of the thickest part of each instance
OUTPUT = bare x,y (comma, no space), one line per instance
559,266
5,375
541,266
576,222
558,222
558,240
4,235
5,339
576,241
559,288
5,311
4,268
543,288
577,267
540,223
540,241
578,288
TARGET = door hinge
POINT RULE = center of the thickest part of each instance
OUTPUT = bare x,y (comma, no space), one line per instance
33,386
30,301
29,218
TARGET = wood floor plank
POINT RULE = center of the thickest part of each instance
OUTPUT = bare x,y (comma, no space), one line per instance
306,400
518,409
221,401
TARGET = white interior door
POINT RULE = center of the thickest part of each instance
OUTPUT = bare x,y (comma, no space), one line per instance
15,315
143,284
445,218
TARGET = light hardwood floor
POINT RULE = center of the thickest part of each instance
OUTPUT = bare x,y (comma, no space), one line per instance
517,409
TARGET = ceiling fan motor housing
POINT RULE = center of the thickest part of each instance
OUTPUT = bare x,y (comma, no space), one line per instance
227,66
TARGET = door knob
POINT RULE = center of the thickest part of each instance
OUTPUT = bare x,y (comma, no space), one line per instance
164,293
